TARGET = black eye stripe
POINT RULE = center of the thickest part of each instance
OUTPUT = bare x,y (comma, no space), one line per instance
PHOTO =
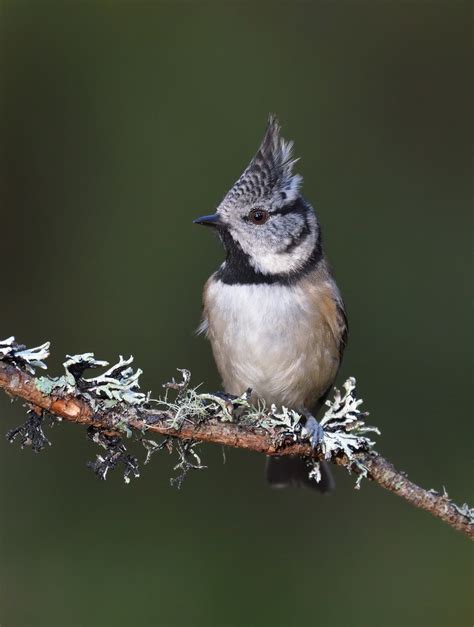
298,206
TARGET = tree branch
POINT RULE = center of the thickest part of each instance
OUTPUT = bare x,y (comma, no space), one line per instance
100,404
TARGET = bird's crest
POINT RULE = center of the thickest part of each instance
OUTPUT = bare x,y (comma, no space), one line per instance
269,175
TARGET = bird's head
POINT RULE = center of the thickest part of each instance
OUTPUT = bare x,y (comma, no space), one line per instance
263,217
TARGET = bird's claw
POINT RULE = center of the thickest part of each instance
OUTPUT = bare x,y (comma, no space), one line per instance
313,431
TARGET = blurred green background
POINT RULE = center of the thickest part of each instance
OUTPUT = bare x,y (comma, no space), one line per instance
120,122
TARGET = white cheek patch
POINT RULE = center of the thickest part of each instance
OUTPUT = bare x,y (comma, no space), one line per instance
273,262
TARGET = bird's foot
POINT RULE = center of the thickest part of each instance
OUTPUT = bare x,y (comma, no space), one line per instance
312,430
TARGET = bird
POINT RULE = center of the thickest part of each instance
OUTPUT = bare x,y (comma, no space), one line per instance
272,311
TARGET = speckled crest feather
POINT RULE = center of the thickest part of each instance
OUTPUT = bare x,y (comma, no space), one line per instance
269,175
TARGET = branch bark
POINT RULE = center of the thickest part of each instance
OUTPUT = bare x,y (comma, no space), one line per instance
72,408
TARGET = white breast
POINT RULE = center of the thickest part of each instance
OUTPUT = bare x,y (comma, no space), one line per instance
272,338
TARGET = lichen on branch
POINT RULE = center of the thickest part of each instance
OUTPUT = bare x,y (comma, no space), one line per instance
26,358
117,412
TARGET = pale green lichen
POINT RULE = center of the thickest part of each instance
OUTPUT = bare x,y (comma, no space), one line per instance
118,384
116,392
189,459
464,509
283,418
344,428
28,358
345,431
189,405
45,385
115,397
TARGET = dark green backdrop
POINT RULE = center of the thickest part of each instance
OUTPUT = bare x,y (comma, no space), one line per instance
120,122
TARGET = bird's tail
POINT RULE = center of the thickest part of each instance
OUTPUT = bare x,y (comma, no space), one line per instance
290,470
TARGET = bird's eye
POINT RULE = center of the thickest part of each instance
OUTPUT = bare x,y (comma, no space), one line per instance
258,216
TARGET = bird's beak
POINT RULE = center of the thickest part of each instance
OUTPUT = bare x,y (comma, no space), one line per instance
213,220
